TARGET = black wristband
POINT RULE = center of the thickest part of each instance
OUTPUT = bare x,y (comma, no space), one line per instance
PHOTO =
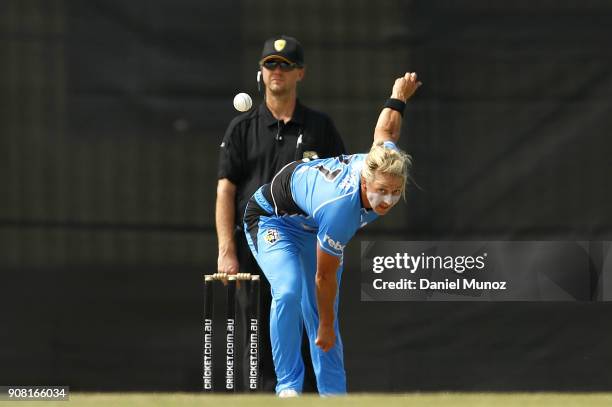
396,104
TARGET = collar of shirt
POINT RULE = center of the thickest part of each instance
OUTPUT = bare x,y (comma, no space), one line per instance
268,119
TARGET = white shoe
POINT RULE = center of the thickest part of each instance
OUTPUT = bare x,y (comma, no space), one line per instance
286,393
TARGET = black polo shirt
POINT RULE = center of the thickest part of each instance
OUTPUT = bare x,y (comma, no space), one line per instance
256,146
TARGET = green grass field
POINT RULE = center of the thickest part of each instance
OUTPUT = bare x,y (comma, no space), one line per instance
353,400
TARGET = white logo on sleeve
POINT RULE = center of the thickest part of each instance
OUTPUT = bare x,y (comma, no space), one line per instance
333,244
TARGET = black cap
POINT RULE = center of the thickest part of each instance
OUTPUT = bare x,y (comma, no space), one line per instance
283,47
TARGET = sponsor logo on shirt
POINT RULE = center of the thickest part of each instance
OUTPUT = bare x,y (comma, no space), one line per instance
272,236
333,244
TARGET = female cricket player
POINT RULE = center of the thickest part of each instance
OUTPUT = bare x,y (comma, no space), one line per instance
297,227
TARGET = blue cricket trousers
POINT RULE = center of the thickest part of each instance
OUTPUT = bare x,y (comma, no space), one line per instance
288,258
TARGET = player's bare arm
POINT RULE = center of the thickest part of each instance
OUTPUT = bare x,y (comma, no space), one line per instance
327,286
390,121
227,262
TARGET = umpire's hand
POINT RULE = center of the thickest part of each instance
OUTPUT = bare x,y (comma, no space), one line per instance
227,263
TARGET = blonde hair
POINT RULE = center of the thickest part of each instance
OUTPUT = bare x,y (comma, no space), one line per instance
388,161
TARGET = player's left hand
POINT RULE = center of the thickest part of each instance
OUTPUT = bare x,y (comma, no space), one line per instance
326,337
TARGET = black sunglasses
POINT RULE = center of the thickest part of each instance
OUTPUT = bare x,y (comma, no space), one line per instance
284,66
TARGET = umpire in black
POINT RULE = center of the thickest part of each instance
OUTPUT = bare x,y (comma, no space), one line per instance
256,145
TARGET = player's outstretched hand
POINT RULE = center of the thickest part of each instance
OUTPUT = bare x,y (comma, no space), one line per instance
404,87
325,337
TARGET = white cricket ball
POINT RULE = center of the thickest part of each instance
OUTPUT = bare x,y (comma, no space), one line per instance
242,102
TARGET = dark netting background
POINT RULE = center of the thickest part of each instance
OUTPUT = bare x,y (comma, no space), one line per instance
111,116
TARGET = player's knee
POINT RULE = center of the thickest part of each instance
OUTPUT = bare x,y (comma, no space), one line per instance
289,295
